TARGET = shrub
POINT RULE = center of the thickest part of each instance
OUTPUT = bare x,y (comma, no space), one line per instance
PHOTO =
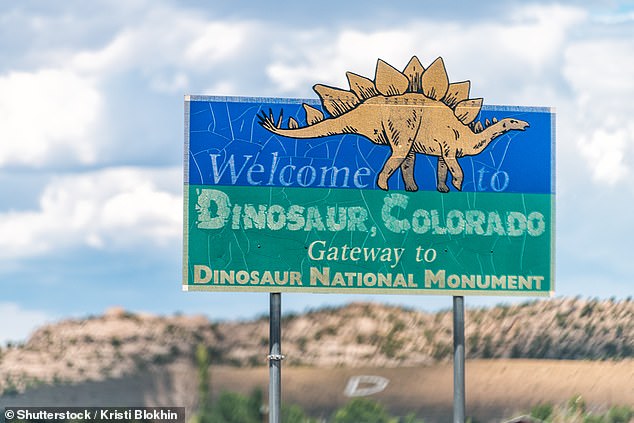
301,343
542,411
442,350
233,408
577,404
294,414
362,410
620,415
390,346
587,310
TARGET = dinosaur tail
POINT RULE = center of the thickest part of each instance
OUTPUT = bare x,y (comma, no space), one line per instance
317,125
268,121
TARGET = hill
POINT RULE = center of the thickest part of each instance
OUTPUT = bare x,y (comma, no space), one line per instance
120,343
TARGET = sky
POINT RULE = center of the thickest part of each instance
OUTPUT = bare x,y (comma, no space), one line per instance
92,131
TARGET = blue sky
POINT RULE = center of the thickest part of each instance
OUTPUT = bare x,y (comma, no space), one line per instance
91,131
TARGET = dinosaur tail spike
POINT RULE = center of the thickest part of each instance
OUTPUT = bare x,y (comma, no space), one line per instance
279,121
261,118
272,118
292,123
487,122
267,121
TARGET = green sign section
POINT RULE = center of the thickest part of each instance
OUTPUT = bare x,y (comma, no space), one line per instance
341,240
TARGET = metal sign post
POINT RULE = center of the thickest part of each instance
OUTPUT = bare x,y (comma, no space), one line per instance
458,360
275,358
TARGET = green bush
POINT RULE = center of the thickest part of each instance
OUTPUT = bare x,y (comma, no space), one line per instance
234,408
542,411
362,410
294,414
620,415
577,404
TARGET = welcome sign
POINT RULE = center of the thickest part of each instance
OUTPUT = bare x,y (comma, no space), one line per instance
401,184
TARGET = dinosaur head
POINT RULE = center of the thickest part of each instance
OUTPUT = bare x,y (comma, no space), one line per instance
510,124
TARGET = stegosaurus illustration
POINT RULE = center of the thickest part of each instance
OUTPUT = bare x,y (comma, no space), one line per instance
414,111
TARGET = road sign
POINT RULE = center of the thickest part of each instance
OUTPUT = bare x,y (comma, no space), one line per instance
294,195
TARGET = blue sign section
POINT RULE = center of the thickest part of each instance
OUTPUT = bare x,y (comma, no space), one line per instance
227,145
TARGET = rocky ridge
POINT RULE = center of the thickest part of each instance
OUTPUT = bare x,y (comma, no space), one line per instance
359,334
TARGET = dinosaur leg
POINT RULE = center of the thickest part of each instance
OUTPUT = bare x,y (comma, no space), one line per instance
399,155
441,184
456,172
407,171
401,143
390,166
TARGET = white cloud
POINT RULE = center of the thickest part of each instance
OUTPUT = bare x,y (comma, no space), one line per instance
605,152
112,208
65,110
537,33
47,116
616,18
212,42
315,57
82,105
18,323
167,38
599,73
170,84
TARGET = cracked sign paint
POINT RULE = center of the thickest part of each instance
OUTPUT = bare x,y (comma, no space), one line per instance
275,213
